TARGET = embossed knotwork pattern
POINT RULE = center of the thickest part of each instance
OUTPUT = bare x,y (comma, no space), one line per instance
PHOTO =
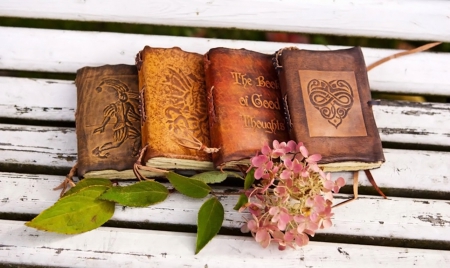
333,99
331,103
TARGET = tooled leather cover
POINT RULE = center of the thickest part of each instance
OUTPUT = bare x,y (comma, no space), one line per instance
244,103
107,118
327,95
172,87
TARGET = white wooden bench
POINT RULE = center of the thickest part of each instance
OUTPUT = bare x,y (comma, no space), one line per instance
38,142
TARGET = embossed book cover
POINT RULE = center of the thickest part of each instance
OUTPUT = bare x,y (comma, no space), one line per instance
244,101
326,97
107,121
174,113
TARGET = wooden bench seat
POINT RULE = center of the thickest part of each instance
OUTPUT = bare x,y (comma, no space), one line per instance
38,141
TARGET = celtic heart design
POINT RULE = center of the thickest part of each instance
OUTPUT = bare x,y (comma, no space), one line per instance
333,99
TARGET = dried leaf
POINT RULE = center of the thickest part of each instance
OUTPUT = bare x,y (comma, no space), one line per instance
86,183
210,218
249,179
140,194
243,199
77,213
187,186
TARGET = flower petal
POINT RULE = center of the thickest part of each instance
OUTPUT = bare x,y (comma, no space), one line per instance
259,172
291,146
265,150
327,223
275,144
274,210
259,160
263,237
314,158
286,174
304,151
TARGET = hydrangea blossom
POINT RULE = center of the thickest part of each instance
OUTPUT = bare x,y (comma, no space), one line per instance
291,198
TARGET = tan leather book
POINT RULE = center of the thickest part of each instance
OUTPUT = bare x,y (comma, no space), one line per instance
327,99
174,112
107,121
245,109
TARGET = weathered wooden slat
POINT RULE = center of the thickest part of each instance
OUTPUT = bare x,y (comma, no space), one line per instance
56,147
414,123
37,99
55,100
414,20
49,146
118,247
67,51
400,218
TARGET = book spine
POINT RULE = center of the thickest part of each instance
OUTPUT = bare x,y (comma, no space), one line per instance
278,65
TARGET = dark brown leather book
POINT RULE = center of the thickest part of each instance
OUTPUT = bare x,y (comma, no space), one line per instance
107,121
327,99
174,112
244,104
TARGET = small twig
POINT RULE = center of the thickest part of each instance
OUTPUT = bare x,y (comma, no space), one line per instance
401,54
67,181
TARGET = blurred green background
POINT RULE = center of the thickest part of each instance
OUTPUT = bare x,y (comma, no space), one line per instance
220,34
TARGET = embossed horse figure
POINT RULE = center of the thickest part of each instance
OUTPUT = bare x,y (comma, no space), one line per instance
124,110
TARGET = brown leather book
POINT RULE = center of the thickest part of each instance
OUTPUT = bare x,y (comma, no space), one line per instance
174,112
244,102
326,96
107,121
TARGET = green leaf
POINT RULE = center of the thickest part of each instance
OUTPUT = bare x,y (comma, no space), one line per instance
86,183
77,213
233,174
210,218
249,179
140,194
210,176
243,199
187,186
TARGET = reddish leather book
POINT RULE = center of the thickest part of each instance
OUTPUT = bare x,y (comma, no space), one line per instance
326,97
244,103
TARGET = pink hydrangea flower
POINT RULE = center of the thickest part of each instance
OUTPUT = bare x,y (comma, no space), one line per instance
280,216
291,197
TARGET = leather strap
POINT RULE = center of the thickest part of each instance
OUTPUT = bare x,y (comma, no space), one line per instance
374,184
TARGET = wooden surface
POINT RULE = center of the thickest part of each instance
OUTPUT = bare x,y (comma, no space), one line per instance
369,217
404,19
117,247
67,51
56,147
38,141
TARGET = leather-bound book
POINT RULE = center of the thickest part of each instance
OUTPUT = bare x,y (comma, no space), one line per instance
107,121
244,103
327,100
174,112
